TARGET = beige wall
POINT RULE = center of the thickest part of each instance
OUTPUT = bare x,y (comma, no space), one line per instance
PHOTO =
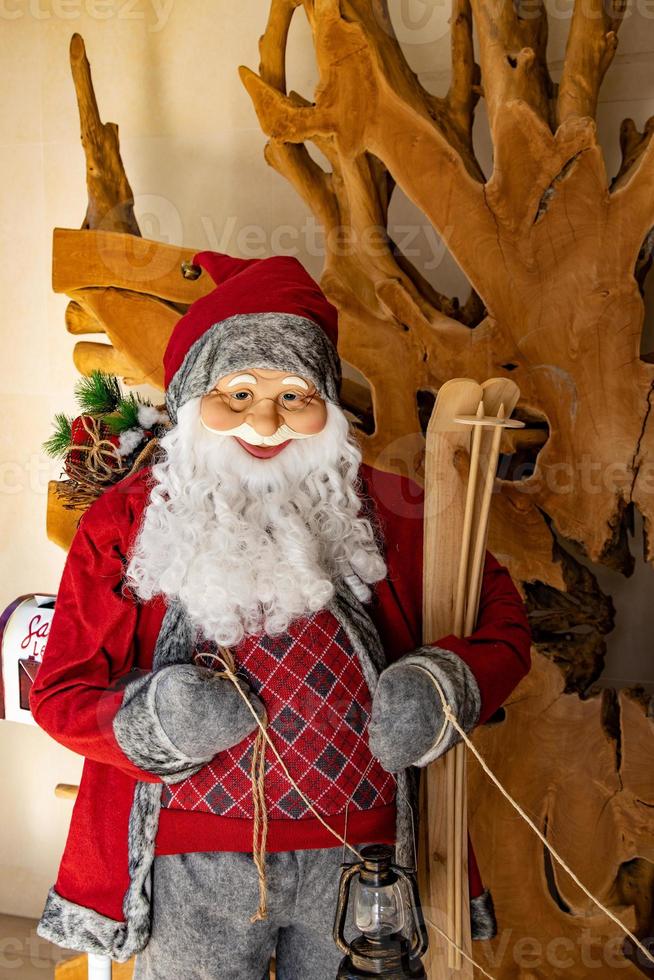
166,72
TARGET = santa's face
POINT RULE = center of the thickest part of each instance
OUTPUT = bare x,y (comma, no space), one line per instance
248,544
263,410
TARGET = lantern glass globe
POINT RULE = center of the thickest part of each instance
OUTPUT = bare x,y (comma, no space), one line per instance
379,910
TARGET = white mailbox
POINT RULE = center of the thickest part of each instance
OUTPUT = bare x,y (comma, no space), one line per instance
24,628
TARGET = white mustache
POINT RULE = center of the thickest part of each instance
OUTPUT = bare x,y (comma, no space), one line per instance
249,434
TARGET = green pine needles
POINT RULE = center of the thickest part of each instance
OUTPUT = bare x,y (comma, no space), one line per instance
126,413
60,441
99,396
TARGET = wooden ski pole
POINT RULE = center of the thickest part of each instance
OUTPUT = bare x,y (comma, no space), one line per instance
471,491
479,552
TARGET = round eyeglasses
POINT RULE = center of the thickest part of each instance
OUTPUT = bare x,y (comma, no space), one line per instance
287,401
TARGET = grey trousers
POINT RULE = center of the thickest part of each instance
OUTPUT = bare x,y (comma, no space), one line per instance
201,908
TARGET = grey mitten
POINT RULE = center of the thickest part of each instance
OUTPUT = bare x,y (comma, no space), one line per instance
173,721
406,717
201,712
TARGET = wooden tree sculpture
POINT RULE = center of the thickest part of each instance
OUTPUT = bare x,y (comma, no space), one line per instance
552,249
556,255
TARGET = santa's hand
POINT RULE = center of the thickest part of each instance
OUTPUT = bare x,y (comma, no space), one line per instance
407,722
175,720
405,719
201,711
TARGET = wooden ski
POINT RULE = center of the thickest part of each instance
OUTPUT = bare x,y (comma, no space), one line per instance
463,440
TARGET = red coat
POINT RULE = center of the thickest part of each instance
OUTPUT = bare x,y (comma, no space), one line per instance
99,634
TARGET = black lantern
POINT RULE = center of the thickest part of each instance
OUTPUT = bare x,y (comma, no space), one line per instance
388,916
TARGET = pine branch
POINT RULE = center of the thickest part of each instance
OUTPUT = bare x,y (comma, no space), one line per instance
125,416
61,439
99,393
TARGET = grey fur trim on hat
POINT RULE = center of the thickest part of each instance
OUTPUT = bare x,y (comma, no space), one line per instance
279,341
483,922
459,687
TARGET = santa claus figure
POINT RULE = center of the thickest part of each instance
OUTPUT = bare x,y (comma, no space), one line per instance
256,533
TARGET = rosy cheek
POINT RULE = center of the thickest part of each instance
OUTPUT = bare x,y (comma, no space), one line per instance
215,413
311,424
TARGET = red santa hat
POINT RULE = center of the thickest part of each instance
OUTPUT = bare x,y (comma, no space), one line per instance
263,313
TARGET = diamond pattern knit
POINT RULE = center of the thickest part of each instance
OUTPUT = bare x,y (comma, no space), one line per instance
318,706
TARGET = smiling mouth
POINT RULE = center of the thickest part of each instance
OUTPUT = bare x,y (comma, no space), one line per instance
262,452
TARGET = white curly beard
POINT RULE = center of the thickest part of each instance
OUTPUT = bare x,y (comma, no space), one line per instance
251,544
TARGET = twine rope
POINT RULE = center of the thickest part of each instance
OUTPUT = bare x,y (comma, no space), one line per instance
261,814
257,773
260,824
99,451
451,717
91,475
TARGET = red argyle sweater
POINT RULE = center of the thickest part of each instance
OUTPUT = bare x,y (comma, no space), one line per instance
318,704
